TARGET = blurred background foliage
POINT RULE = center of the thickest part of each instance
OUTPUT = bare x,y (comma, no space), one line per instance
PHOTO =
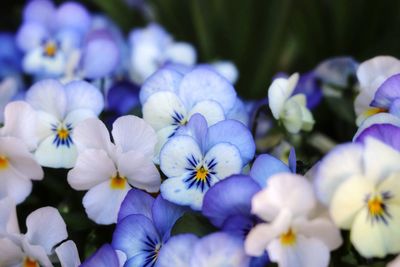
262,37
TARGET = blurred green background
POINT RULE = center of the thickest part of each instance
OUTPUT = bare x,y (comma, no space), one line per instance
262,37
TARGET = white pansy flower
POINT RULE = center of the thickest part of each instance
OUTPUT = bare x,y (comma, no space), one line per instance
59,108
109,170
361,186
291,238
291,110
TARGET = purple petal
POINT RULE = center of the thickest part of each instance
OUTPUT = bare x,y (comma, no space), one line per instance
73,15
265,166
103,257
387,133
165,214
219,202
239,225
308,85
136,202
235,133
336,71
387,92
40,11
197,128
395,108
122,97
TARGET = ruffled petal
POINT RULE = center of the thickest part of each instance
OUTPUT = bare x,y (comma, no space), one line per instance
102,202
92,167
46,228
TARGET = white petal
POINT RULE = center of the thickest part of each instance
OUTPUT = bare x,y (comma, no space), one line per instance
45,124
279,91
322,229
68,255
78,115
20,121
8,217
163,136
83,95
160,109
227,159
175,155
376,239
140,171
36,252
211,110
92,133
284,191
227,69
291,116
308,252
10,253
349,199
20,158
262,234
384,66
133,133
379,159
48,96
340,164
49,155
93,166
180,52
102,202
46,228
14,185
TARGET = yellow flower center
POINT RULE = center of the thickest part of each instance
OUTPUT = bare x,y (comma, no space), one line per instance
201,174
3,163
376,207
50,49
288,238
118,182
29,262
63,133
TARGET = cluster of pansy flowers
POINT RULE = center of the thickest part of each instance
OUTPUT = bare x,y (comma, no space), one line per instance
193,151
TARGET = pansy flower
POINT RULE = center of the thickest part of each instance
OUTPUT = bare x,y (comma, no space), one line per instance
214,250
290,109
45,229
291,238
360,185
59,108
109,170
152,47
198,157
170,98
105,256
371,74
48,35
18,166
144,226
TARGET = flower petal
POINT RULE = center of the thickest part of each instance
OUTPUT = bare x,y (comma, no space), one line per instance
226,160
202,83
235,133
8,217
46,228
68,255
92,167
83,95
49,155
265,166
103,257
136,202
102,202
175,252
10,253
139,171
163,109
279,91
48,96
13,184
211,110
176,153
341,163
133,133
92,133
